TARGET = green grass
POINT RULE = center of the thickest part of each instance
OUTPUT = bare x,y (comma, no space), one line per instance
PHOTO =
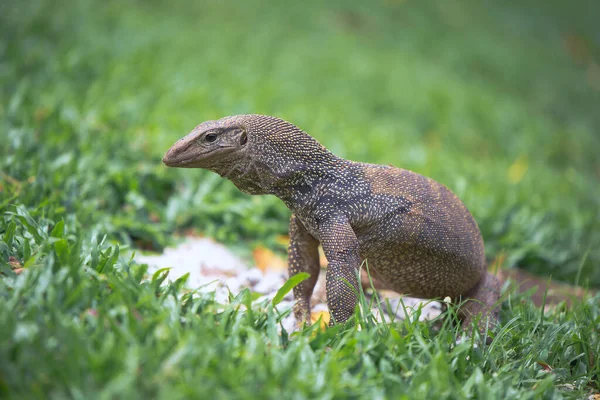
497,100
84,324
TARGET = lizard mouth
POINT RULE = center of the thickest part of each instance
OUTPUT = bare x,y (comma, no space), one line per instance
169,162
185,160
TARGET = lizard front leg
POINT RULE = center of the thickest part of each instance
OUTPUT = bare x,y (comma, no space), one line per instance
342,251
303,256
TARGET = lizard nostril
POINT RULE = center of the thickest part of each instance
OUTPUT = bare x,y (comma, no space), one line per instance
243,139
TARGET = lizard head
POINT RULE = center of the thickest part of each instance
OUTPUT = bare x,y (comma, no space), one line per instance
225,147
210,145
257,153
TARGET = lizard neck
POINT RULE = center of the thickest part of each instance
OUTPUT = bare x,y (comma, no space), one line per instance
293,180
279,159
304,189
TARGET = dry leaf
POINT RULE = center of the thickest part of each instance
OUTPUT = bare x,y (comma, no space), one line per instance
545,366
322,317
498,262
154,217
283,240
190,232
518,169
92,312
41,113
216,272
14,263
265,260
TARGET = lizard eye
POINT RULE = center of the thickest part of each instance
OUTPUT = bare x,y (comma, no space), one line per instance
243,139
211,137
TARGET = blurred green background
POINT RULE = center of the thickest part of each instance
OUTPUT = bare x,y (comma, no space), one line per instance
500,101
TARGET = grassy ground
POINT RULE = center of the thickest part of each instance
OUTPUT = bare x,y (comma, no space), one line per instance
496,100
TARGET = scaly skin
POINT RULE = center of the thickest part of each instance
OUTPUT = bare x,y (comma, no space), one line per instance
416,235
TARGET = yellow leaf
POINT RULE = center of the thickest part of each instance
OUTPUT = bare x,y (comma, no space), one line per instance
498,262
322,317
265,260
518,169
283,240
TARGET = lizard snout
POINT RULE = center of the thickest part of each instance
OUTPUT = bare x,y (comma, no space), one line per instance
177,154
169,157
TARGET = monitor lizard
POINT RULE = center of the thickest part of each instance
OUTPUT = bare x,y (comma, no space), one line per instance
417,237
